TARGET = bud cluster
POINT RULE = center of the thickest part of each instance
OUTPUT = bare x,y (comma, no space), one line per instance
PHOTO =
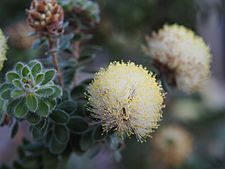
46,16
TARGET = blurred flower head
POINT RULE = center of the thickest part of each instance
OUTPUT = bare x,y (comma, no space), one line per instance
46,17
213,94
127,99
186,110
183,53
172,145
86,11
3,48
18,35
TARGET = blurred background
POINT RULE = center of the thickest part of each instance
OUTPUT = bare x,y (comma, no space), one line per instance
192,132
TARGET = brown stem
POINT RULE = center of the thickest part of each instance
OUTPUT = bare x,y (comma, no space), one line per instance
53,44
76,55
76,47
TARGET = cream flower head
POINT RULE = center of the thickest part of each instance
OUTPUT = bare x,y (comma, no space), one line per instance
183,53
172,145
126,98
3,48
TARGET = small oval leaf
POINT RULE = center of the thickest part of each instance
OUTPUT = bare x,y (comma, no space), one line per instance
33,118
17,93
59,116
25,71
45,92
43,109
57,92
49,76
36,69
21,109
19,67
12,75
32,102
56,147
39,78
61,133
78,125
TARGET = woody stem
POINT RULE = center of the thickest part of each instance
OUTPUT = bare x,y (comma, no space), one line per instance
53,44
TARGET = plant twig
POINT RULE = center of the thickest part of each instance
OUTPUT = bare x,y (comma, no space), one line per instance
76,55
53,44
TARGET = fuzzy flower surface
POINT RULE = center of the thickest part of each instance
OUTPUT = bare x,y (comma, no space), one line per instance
172,145
183,52
127,99
3,48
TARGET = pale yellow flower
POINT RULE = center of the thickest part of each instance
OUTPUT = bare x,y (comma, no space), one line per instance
126,98
3,48
172,145
183,52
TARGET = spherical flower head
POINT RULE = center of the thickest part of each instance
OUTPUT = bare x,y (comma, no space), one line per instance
172,145
183,52
126,98
3,48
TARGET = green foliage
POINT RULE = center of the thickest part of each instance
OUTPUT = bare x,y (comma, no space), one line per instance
29,89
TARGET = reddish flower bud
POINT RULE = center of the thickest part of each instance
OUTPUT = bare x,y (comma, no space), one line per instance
46,17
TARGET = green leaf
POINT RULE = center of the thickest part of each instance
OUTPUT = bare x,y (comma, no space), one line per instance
78,90
78,125
68,106
49,76
19,67
12,75
41,124
33,118
56,147
59,116
21,109
86,141
17,83
11,106
36,69
39,78
14,130
45,92
51,103
43,109
57,91
36,133
17,93
6,86
32,102
61,134
32,63
6,94
25,71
